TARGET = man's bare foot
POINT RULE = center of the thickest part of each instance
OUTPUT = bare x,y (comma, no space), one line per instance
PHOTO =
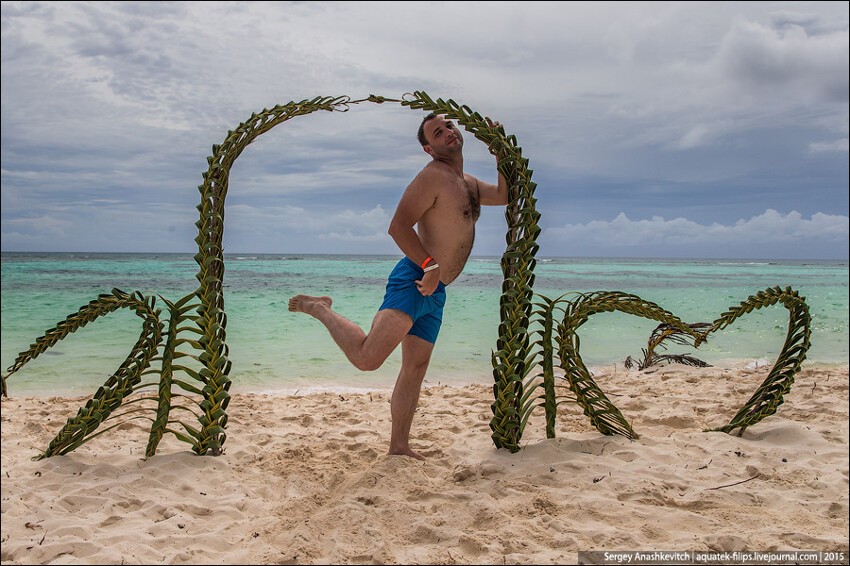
308,304
406,452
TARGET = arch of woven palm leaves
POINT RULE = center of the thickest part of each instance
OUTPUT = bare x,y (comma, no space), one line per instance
186,394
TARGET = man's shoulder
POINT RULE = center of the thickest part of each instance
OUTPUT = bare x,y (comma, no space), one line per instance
432,169
429,176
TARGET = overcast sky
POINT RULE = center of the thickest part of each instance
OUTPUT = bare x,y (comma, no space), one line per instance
690,129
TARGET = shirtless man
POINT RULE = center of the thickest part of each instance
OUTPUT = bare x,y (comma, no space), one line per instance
442,203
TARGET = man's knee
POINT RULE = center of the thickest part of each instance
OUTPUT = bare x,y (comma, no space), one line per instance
366,362
417,367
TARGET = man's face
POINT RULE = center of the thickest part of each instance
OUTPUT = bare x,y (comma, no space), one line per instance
442,136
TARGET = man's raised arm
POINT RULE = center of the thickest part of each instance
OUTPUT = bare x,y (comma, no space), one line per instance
490,194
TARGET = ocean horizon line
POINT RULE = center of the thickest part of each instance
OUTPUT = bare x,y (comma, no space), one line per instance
296,255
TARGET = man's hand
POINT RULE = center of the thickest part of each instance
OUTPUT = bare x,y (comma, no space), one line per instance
429,282
495,125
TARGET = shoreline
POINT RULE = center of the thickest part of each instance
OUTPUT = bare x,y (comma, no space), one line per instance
747,366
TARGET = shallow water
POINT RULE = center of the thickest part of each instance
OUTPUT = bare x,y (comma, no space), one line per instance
272,348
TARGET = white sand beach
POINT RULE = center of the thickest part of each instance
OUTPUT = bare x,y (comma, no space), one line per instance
305,479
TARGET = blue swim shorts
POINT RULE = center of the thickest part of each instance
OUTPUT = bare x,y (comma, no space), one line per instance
403,294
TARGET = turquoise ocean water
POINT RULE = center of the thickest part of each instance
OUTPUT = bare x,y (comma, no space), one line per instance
273,349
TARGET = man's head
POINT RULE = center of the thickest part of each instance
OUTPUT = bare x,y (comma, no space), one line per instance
420,135
438,135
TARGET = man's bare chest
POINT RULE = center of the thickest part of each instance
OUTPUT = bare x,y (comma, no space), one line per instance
459,200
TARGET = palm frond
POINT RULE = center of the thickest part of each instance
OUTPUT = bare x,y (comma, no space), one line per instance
194,356
770,394
665,332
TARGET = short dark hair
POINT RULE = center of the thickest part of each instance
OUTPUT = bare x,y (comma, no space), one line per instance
420,135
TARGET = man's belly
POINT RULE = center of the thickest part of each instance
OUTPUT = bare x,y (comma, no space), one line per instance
452,259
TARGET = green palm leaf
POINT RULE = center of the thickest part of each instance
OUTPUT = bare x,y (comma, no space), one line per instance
200,376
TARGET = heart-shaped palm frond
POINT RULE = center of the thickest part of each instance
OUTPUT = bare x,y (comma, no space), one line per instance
771,393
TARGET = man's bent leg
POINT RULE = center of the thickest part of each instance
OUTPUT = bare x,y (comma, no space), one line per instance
366,352
415,357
